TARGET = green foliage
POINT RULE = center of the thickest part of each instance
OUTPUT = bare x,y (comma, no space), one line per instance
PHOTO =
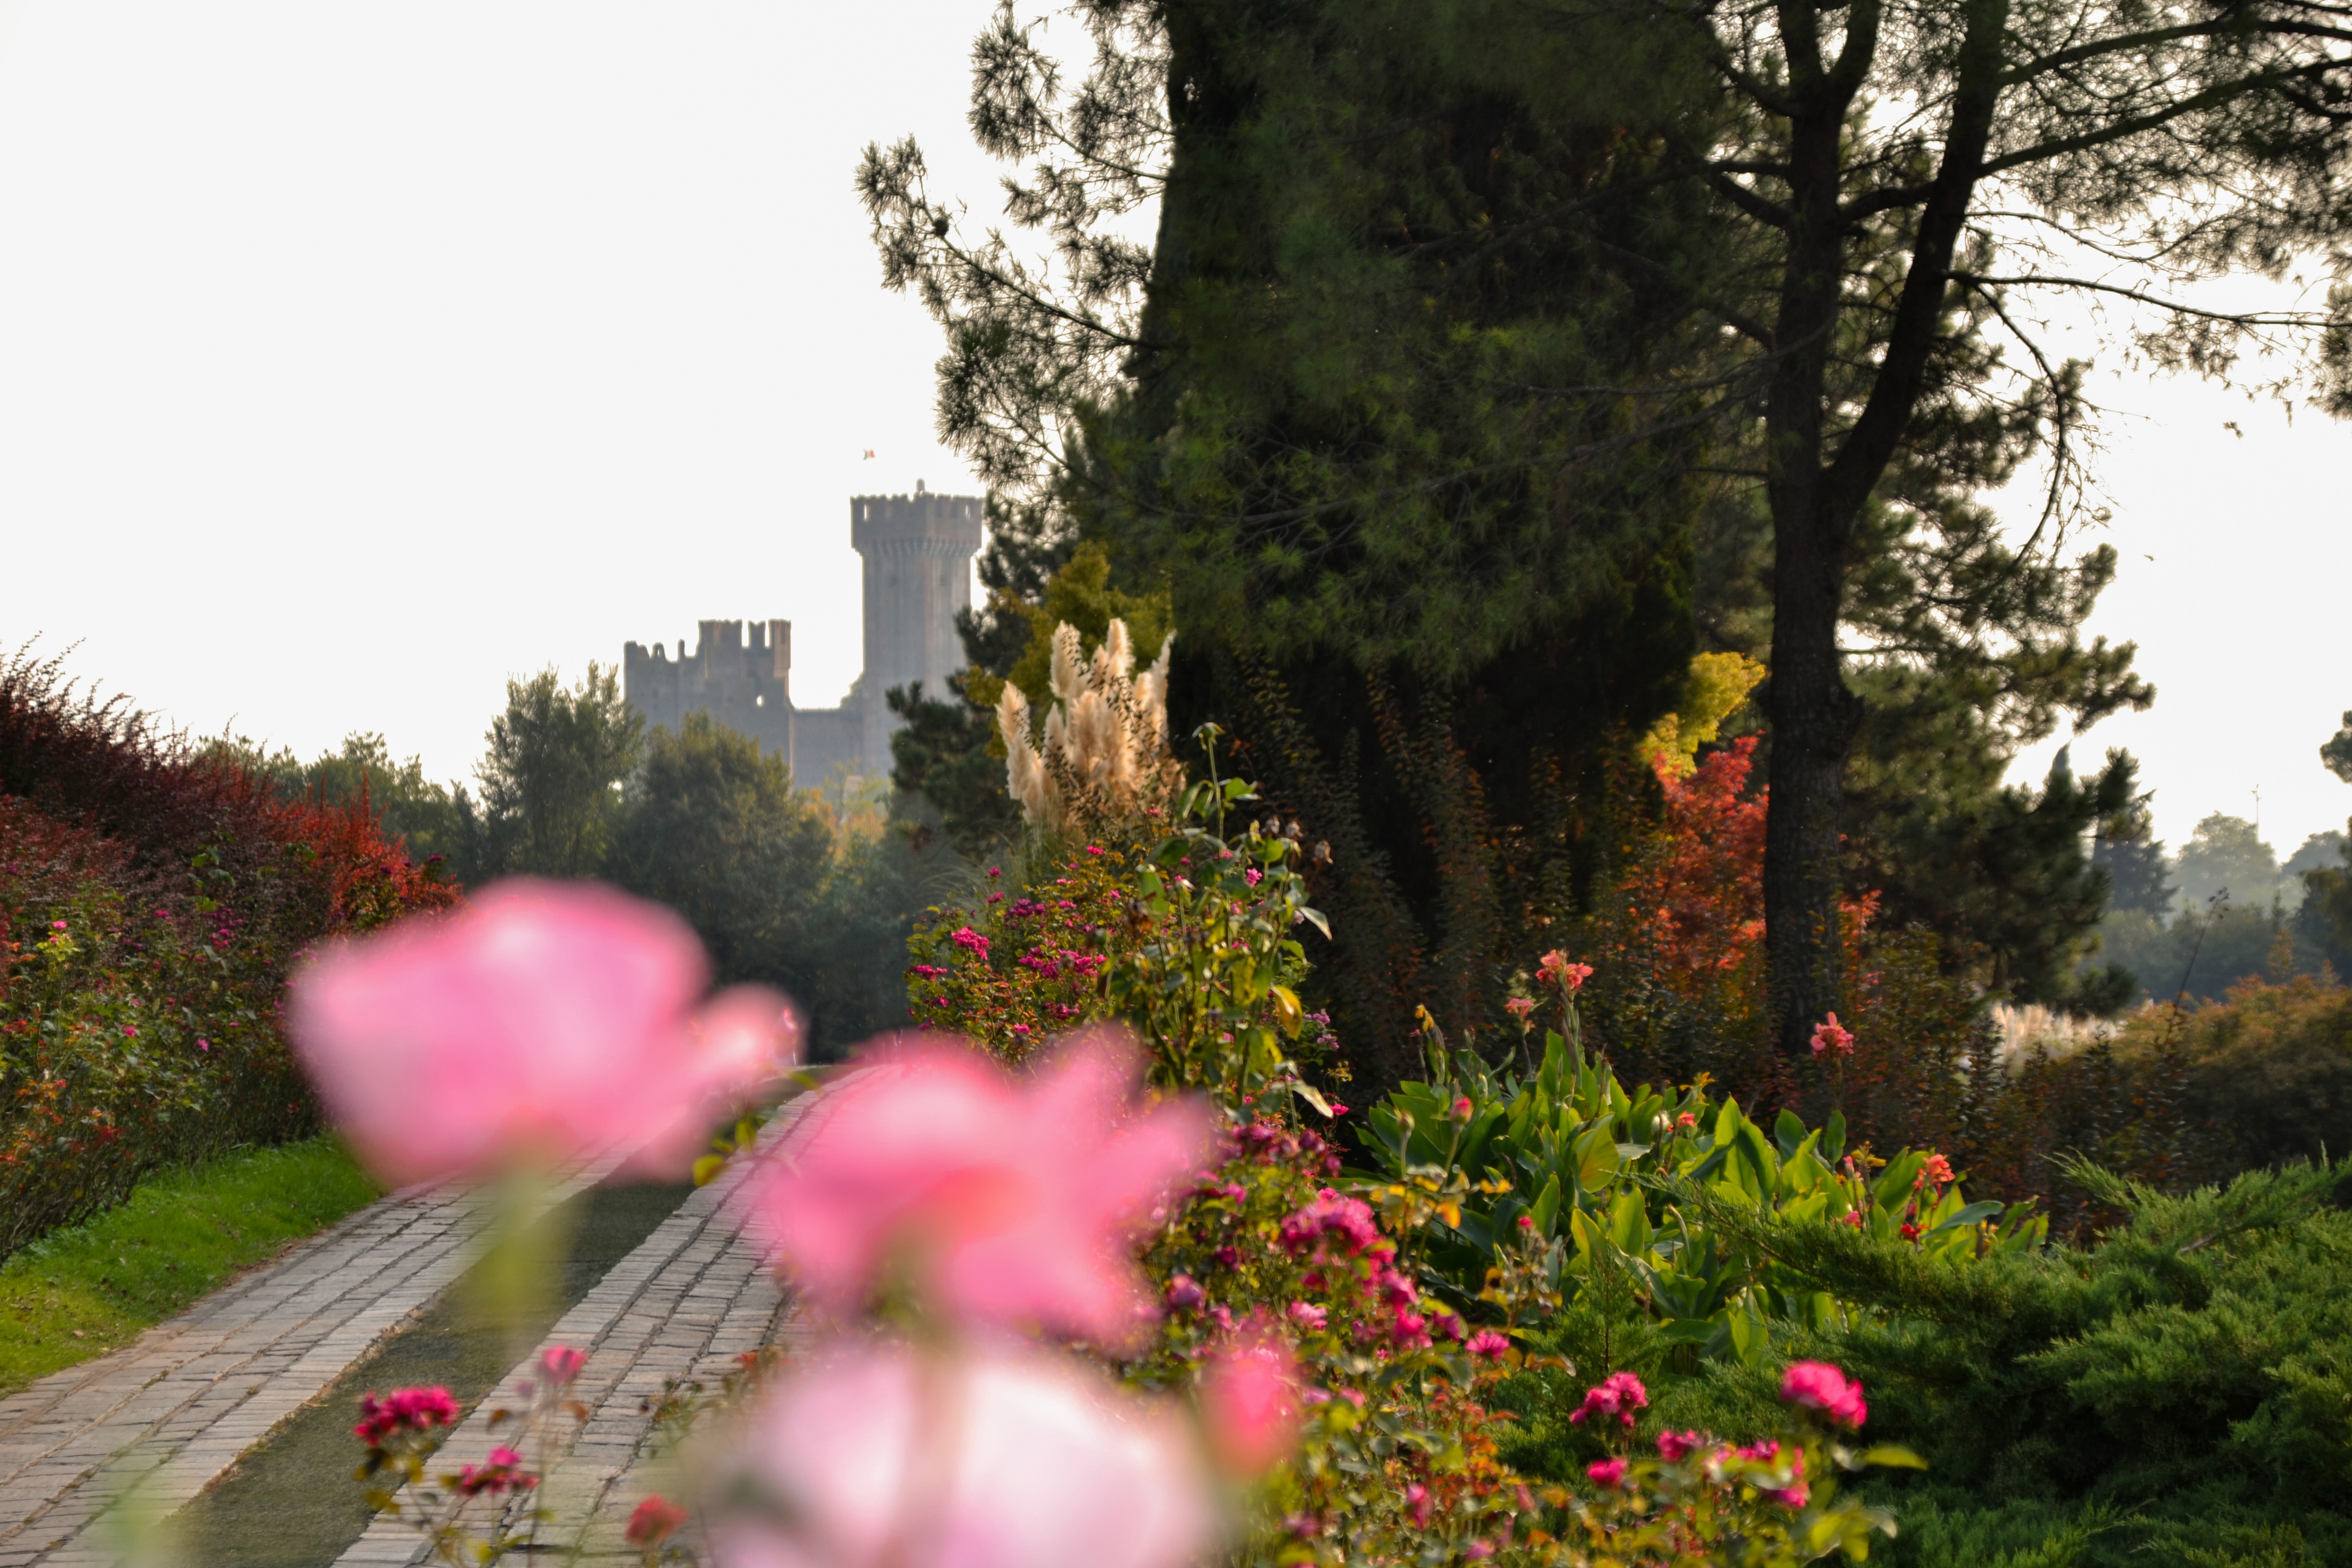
711,826
1024,967
1186,936
1995,868
2226,856
2176,1393
2267,1072
1079,594
85,1290
143,971
781,889
1562,1187
2336,752
946,753
552,778
425,817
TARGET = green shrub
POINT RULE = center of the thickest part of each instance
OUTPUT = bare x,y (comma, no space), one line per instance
151,904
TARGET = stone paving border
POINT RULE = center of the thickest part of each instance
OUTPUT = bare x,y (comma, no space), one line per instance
177,1405
685,1304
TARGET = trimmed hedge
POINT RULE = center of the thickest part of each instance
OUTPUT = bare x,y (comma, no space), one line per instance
152,905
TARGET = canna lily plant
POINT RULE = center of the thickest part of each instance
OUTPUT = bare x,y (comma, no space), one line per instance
1540,1187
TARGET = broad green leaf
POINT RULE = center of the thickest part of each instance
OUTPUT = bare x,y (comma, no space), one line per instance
1595,1156
1894,1456
1546,1208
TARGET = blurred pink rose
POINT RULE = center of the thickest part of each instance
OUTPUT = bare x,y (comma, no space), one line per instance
1249,1402
1819,1386
1004,1201
1009,1460
542,1022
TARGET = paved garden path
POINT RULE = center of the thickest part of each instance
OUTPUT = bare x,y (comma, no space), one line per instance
684,1305
175,1407
171,1412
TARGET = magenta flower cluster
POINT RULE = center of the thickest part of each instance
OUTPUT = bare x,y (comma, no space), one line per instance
403,1411
1618,1395
1818,1385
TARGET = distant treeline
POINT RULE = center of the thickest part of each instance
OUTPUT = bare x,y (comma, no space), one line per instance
814,892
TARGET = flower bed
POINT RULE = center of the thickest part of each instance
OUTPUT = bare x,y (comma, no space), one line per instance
150,907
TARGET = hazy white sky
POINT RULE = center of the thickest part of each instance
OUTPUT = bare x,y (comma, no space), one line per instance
355,356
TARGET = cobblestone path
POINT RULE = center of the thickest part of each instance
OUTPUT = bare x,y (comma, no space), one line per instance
173,1409
685,1304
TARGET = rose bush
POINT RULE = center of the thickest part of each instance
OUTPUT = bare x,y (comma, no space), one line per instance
152,905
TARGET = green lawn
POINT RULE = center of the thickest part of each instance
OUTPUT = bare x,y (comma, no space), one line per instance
79,1292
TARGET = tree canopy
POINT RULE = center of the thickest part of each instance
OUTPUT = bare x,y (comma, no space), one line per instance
1497,340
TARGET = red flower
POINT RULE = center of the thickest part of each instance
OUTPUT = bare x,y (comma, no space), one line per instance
1832,1037
653,1521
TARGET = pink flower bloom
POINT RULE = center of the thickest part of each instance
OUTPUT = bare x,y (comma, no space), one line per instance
1041,1465
1934,1171
1676,1447
965,937
1310,1317
1349,1220
561,1363
502,1472
404,1410
1796,1491
544,1022
1486,1342
1416,1502
1520,1007
1619,1394
1462,1108
1607,1473
653,1521
1818,1385
1008,1201
1249,1404
1184,1294
1555,969
1830,1036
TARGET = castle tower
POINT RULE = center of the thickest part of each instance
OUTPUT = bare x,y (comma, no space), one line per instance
918,551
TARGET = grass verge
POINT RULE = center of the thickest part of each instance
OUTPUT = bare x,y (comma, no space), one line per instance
84,1290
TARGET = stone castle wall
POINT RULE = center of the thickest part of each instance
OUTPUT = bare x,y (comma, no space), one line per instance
916,552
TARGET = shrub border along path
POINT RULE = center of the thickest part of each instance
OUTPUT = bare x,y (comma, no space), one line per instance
170,1412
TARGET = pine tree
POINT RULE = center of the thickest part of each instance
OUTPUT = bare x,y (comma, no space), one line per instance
1478,364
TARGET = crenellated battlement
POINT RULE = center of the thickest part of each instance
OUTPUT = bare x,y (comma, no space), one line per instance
916,550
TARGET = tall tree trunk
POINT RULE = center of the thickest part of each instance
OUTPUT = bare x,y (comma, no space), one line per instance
1812,714
1814,718
1816,505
